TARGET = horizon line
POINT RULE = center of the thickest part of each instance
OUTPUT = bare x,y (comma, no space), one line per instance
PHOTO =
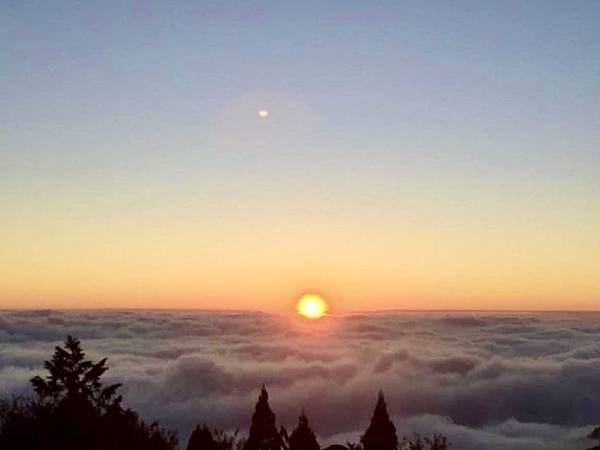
282,312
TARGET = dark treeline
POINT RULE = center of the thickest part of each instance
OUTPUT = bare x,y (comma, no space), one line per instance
73,410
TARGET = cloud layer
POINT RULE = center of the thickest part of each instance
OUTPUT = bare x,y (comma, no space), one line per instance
493,381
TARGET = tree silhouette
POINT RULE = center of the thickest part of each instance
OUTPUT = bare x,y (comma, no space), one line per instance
74,411
226,441
303,437
263,432
595,435
201,439
437,442
381,434
72,379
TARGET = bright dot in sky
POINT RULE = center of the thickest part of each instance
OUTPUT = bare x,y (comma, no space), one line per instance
263,112
312,306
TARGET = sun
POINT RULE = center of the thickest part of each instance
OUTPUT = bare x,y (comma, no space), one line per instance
312,306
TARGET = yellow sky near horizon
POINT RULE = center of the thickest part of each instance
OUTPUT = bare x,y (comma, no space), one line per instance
126,250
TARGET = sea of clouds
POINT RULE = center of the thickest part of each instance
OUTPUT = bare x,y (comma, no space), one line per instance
488,381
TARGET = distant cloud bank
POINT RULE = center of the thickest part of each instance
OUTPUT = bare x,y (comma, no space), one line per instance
493,381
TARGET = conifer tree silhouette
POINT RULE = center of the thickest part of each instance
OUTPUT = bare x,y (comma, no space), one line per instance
74,411
201,439
74,381
263,432
381,434
303,437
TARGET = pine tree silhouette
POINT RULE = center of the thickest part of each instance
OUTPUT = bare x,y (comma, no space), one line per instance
74,381
381,434
74,411
201,439
303,438
263,432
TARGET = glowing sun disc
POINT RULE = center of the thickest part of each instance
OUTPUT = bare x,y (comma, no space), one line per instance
312,307
263,112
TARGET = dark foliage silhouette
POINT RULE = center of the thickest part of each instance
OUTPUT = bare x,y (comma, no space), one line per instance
226,441
595,435
74,381
263,433
381,434
437,442
74,411
303,437
201,439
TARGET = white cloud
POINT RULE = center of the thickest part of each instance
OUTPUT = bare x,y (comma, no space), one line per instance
487,381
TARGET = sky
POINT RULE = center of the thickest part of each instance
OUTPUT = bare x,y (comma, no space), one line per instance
416,155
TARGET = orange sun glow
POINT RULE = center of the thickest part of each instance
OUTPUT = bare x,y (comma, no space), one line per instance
312,307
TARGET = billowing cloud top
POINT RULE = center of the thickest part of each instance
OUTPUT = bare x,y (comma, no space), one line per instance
494,381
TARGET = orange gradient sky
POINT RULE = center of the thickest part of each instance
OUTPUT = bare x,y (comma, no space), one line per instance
397,167
161,248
